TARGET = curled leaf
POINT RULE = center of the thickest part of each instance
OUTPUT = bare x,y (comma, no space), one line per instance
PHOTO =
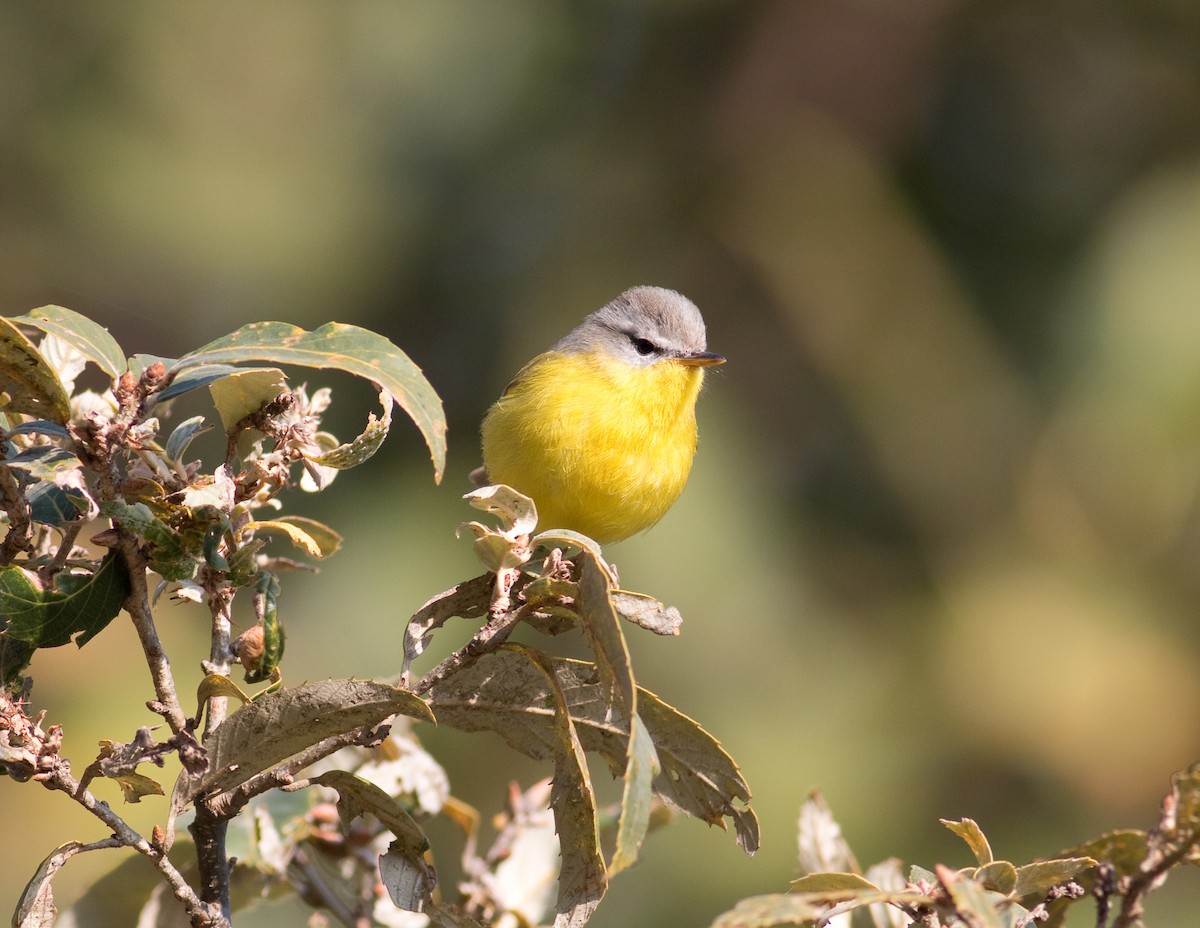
343,347
89,338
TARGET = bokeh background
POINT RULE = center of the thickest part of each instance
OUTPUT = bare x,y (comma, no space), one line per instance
939,556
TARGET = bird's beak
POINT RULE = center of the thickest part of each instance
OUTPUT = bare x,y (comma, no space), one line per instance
701,359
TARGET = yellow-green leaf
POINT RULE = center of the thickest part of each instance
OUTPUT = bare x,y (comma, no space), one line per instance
245,391
28,385
970,832
353,453
135,786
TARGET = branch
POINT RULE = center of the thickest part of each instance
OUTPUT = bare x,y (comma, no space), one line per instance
200,915
137,604
489,638
283,775
14,505
59,561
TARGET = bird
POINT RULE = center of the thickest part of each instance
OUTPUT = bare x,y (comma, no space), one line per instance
600,429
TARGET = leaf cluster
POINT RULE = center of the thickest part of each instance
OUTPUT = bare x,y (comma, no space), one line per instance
1116,871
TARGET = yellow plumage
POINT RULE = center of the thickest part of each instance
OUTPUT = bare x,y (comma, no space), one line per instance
600,436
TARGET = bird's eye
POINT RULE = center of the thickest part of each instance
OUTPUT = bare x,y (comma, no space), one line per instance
643,346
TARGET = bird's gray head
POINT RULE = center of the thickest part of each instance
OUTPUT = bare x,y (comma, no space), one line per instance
643,326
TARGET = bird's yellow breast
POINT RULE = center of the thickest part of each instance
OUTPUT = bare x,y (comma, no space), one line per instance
603,447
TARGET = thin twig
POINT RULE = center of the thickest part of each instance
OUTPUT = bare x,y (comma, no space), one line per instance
59,561
200,915
17,509
468,599
219,596
489,638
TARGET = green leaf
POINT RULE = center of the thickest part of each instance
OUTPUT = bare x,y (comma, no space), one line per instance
75,605
183,435
971,901
640,770
973,835
28,385
173,555
1125,850
54,505
999,876
89,338
277,725
14,657
343,347
185,381
245,391
138,519
41,427
44,462
1036,879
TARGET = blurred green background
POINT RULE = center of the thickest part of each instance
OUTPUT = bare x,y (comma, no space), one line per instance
940,555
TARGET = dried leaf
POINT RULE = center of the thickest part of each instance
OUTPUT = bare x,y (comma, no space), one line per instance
822,848
640,771
35,908
216,685
646,612
408,876
516,512
582,879
297,532
888,876
502,693
468,599
277,725
343,347
603,630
